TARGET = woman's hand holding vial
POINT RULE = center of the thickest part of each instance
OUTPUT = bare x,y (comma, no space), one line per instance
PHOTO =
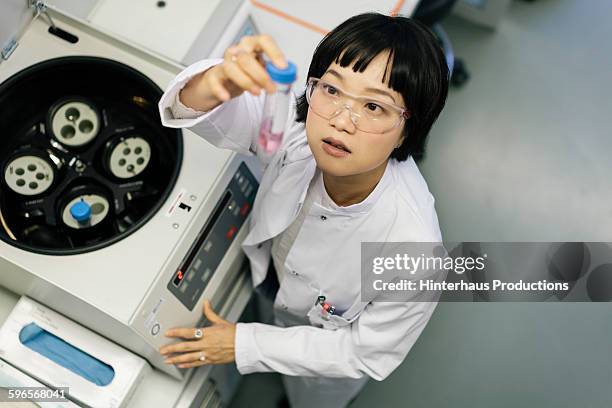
242,69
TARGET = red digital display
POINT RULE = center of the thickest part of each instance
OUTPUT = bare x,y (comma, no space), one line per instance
179,278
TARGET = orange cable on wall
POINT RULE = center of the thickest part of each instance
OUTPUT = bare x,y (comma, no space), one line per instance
286,16
397,8
306,24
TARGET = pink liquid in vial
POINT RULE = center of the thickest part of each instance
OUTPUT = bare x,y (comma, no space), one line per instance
267,140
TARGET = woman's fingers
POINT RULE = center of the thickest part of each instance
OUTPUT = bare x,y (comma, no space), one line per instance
184,332
264,44
240,77
197,356
256,71
181,347
194,364
210,314
216,345
243,63
217,88
269,47
242,70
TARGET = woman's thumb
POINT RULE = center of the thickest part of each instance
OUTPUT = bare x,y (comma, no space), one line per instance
210,314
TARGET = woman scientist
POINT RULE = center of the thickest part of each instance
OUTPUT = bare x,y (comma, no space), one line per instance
344,174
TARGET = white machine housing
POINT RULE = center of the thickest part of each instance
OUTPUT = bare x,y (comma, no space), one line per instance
121,291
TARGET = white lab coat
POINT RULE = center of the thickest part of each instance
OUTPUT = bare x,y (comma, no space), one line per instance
369,339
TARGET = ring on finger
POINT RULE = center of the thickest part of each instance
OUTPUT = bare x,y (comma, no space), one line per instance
202,356
198,333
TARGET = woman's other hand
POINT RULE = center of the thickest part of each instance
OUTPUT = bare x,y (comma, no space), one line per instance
213,344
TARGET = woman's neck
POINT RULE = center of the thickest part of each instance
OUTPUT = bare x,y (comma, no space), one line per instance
349,190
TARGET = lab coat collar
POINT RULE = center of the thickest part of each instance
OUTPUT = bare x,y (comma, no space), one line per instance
359,208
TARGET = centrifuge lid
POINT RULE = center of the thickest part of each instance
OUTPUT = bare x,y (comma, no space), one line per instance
15,16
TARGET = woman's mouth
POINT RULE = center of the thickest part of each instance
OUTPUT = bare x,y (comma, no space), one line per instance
335,147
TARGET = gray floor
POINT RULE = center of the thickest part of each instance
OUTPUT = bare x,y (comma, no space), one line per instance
520,153
525,146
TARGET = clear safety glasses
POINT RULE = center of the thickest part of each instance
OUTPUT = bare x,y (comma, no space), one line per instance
367,114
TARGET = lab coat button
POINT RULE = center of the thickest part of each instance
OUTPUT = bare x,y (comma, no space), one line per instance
155,329
323,218
294,273
259,246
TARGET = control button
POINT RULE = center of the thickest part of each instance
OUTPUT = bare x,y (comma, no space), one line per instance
206,274
232,231
155,329
245,209
207,246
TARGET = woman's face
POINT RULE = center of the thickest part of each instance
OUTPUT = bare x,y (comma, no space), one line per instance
366,151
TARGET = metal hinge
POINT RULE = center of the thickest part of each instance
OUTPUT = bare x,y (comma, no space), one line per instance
9,48
40,8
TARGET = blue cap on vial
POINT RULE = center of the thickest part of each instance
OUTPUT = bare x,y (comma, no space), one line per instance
80,211
280,75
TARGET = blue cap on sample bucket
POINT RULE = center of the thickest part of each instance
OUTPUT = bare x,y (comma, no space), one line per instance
80,211
282,75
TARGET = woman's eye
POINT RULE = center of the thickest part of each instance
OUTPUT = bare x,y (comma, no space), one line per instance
329,89
373,107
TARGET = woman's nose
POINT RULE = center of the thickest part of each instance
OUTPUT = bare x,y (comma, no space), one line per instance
342,121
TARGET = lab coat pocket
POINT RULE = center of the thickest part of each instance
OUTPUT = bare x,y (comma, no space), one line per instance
319,317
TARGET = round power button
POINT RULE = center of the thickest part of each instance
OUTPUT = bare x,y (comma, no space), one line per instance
155,329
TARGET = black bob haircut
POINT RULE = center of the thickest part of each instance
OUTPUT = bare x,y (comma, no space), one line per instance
418,69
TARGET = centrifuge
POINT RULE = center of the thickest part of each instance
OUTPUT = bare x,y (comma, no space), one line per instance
107,217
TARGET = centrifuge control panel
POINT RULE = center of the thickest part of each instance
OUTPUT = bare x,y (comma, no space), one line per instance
214,240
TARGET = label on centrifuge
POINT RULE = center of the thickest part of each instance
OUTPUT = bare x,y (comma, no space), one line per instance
149,322
176,202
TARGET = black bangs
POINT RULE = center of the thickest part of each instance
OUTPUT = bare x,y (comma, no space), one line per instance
416,68
360,58
359,51
352,45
